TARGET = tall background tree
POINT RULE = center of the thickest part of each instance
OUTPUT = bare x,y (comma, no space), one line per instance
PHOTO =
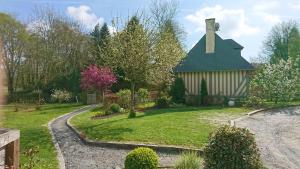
168,37
100,39
14,38
283,42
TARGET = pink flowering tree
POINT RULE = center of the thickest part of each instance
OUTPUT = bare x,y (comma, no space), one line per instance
97,78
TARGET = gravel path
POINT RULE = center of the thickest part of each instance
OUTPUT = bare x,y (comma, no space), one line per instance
277,134
77,155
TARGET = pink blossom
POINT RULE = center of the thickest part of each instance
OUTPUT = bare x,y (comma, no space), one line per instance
93,78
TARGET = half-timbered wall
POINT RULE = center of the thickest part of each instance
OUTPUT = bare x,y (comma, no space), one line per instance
227,83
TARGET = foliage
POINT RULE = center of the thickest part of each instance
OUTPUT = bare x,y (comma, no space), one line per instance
97,78
203,91
61,96
115,108
124,98
188,160
231,147
192,100
141,157
143,94
178,91
254,101
31,123
276,82
162,102
283,43
13,38
100,41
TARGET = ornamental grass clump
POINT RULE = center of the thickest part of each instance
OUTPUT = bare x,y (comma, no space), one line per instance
141,158
231,148
188,160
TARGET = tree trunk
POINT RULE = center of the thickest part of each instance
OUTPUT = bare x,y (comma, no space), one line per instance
103,99
10,88
132,101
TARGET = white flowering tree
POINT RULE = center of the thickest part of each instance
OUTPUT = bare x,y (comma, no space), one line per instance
276,82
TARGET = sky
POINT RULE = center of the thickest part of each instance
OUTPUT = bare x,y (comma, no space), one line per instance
248,22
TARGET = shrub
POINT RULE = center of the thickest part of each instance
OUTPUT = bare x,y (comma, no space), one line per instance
231,147
61,96
188,160
192,100
124,98
254,101
162,102
203,91
178,91
115,108
276,82
141,158
143,95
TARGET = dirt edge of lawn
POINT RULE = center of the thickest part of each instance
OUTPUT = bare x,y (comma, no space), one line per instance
130,145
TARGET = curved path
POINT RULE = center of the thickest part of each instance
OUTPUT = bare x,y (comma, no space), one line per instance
77,155
277,134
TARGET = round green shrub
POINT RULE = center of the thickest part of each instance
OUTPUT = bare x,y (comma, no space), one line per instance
162,102
115,108
231,147
141,158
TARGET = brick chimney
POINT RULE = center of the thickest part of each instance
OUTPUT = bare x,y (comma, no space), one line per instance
210,35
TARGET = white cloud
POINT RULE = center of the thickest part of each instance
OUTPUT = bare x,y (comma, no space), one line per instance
233,22
84,15
264,9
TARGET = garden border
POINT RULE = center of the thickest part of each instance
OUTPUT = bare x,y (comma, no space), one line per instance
130,146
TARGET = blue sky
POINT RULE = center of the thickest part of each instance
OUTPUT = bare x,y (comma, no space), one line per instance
247,21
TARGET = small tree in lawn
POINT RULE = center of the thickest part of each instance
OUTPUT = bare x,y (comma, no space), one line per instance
178,91
95,78
203,91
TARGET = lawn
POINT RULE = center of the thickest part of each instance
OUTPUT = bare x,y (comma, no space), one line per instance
34,131
185,126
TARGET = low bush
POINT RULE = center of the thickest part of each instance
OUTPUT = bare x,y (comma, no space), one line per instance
254,101
192,100
231,147
143,95
162,102
115,108
61,96
124,98
141,158
188,160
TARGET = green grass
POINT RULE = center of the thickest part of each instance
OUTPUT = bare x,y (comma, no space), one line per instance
34,131
185,126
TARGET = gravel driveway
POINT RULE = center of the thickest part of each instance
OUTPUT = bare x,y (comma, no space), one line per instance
77,155
277,134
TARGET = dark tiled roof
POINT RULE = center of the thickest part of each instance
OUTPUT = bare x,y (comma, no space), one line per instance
227,56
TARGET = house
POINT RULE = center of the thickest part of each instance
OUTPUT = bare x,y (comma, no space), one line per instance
219,62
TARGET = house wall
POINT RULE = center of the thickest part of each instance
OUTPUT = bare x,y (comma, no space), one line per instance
227,83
